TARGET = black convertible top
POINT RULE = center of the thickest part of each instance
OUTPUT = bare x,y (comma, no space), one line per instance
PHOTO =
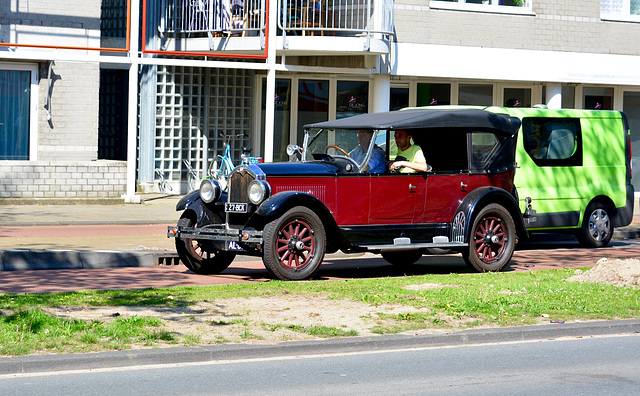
426,117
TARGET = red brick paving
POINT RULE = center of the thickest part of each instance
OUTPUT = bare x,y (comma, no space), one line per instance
241,272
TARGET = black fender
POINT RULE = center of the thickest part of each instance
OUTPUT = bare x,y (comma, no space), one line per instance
203,214
478,199
187,200
278,204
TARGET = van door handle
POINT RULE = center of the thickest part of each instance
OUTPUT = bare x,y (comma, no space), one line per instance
463,185
412,188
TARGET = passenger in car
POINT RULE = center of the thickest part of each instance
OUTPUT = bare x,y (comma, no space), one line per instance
376,163
410,158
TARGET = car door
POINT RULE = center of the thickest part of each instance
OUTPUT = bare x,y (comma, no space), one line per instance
396,198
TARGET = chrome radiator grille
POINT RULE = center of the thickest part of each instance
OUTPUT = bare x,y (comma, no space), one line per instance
238,185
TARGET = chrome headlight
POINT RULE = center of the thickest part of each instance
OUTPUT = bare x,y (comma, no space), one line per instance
259,190
210,190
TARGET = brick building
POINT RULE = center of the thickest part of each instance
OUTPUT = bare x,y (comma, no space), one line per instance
101,100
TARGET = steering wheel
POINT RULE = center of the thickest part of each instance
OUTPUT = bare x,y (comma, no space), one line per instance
326,149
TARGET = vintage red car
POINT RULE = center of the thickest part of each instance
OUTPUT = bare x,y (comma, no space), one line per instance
328,199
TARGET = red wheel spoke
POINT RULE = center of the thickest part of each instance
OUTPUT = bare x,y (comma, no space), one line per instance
282,249
296,258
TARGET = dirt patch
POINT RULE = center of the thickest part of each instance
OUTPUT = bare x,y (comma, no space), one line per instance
289,317
254,320
617,272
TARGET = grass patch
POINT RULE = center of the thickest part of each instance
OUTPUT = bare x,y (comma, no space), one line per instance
322,331
469,300
31,330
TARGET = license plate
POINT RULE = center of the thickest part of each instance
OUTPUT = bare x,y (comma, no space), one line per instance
235,207
234,247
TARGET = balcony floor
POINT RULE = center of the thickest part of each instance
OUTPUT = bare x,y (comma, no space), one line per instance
294,45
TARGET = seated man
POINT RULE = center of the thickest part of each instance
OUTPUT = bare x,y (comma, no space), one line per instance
410,157
376,163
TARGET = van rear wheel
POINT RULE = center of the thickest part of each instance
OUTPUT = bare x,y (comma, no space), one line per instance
597,226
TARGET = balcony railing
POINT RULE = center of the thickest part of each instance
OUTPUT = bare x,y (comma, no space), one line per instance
295,17
238,17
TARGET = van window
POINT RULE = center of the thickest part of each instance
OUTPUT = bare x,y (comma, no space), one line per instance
553,141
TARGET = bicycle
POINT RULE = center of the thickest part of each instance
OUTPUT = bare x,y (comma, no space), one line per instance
192,177
222,172
163,184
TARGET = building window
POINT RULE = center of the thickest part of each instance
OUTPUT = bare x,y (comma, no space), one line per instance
433,94
631,107
598,98
352,98
517,97
313,104
475,94
282,118
112,120
15,97
398,98
113,19
620,9
477,5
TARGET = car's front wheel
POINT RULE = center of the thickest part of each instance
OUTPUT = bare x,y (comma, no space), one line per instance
197,259
294,244
492,239
597,226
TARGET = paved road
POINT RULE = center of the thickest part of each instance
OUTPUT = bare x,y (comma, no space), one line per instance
567,366
534,257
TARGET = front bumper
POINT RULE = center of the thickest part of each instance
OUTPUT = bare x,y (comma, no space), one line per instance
218,232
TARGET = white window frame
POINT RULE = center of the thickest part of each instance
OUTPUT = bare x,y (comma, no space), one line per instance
624,16
491,6
33,103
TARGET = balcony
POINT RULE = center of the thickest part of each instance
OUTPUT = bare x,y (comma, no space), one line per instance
304,27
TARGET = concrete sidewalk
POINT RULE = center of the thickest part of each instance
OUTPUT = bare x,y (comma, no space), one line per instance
88,235
109,235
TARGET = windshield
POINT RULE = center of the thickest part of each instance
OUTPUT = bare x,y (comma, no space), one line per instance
346,143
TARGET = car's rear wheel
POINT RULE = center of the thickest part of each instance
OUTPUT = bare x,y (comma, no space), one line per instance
198,260
492,239
294,244
597,226
402,259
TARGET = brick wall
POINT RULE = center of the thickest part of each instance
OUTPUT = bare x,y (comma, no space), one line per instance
556,25
72,132
68,180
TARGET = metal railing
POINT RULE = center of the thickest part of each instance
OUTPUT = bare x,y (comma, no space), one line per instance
224,17
295,17
336,17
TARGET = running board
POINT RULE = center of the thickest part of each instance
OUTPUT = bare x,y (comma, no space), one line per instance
412,246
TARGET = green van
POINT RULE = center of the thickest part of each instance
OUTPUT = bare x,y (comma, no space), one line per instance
573,171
